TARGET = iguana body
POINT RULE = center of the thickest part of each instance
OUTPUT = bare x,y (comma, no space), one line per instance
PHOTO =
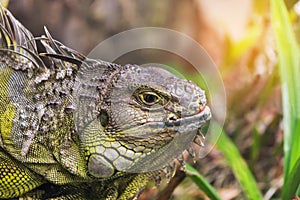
76,128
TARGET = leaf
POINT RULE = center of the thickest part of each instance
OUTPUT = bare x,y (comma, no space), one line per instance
200,181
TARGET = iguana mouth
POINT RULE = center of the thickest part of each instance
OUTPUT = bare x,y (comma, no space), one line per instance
178,126
190,123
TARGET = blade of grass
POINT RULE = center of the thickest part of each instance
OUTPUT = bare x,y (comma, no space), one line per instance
236,163
255,147
200,181
292,185
289,65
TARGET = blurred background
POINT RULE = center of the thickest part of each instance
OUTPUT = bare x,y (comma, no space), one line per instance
236,34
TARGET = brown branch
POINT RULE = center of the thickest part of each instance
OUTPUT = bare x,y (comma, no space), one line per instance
174,182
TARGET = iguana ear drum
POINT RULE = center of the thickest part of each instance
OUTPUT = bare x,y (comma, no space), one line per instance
104,118
99,167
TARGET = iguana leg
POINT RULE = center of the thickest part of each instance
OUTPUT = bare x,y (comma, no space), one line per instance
15,179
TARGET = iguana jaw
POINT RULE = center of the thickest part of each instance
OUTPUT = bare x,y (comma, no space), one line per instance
177,137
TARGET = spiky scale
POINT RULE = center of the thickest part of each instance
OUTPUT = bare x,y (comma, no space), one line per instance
199,140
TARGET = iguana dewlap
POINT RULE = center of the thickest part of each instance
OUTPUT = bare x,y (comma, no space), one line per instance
77,128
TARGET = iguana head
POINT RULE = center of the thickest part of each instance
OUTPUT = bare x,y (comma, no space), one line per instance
145,118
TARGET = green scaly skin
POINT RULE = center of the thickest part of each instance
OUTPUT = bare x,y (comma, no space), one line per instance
76,128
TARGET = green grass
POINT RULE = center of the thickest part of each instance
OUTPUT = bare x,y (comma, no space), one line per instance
289,65
237,164
200,181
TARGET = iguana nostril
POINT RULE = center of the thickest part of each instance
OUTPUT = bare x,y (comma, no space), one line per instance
172,117
201,103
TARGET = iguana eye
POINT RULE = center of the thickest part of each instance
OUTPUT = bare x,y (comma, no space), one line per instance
149,98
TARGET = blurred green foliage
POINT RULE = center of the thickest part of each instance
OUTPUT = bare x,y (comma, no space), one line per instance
289,64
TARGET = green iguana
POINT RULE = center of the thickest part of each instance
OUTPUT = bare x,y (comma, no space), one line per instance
77,128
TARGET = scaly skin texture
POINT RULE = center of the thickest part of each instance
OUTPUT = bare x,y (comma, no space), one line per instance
77,128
